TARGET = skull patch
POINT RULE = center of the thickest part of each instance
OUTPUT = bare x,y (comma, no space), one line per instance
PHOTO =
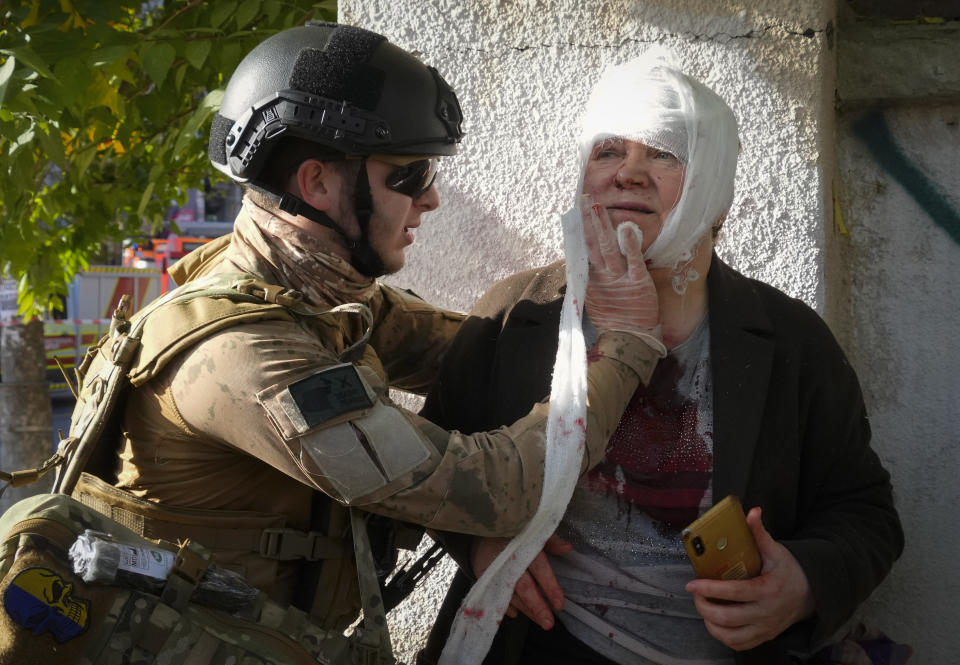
40,600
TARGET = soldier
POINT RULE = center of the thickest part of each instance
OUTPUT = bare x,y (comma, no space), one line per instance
260,429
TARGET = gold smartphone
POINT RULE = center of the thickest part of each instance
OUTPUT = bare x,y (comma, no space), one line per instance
720,545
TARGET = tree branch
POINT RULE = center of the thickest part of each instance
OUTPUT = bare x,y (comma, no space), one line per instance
177,13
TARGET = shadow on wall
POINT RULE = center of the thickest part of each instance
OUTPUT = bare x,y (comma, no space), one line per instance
469,243
451,264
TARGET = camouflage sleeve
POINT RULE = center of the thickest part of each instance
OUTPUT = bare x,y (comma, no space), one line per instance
390,461
332,426
489,483
410,337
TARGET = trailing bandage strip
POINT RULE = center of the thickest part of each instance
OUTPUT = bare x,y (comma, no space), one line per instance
485,605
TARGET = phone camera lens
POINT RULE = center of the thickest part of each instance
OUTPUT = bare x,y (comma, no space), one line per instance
698,546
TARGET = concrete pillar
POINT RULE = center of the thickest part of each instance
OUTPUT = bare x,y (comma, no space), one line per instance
898,171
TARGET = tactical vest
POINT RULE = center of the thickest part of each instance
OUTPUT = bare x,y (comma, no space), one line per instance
133,353
51,615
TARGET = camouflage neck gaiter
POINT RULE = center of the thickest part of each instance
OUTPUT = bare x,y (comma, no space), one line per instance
272,247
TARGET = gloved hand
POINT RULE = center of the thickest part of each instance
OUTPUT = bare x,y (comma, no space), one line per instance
621,294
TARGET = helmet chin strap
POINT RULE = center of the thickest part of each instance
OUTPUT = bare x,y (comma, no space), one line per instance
363,256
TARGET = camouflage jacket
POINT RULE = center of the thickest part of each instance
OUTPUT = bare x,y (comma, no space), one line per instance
257,417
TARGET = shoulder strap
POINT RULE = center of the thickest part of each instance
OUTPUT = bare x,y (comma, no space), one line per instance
374,637
175,326
134,351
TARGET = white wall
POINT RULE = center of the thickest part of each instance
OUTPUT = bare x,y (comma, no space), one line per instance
522,70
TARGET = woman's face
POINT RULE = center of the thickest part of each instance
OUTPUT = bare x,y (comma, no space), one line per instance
635,183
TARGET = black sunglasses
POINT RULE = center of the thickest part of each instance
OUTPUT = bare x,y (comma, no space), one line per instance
414,179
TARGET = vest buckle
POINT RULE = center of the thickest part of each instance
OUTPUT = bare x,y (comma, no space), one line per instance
289,544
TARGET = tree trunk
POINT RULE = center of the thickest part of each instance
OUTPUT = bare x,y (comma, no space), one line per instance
25,413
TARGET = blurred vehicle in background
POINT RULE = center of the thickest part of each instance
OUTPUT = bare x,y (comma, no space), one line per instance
141,274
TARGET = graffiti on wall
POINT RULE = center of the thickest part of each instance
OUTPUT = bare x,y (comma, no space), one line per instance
873,131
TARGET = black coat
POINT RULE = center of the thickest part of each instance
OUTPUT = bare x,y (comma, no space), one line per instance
790,430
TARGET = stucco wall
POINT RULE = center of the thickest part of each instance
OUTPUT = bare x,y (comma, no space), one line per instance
523,70
898,176
900,329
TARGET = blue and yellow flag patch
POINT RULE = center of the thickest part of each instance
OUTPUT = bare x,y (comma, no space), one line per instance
40,600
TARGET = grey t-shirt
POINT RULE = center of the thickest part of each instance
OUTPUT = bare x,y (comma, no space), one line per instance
624,581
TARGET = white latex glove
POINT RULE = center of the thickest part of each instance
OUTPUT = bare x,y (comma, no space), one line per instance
621,294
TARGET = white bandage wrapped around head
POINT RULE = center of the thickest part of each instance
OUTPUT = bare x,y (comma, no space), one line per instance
651,101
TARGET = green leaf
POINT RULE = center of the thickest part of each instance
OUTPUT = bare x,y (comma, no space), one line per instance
157,58
21,170
24,299
193,32
75,77
199,119
213,100
6,71
178,77
49,136
121,71
327,9
27,57
8,130
22,101
145,199
246,12
108,55
156,110
272,9
230,56
102,93
82,158
156,172
221,13
24,139
197,52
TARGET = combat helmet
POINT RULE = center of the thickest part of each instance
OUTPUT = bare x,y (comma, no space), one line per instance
347,90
